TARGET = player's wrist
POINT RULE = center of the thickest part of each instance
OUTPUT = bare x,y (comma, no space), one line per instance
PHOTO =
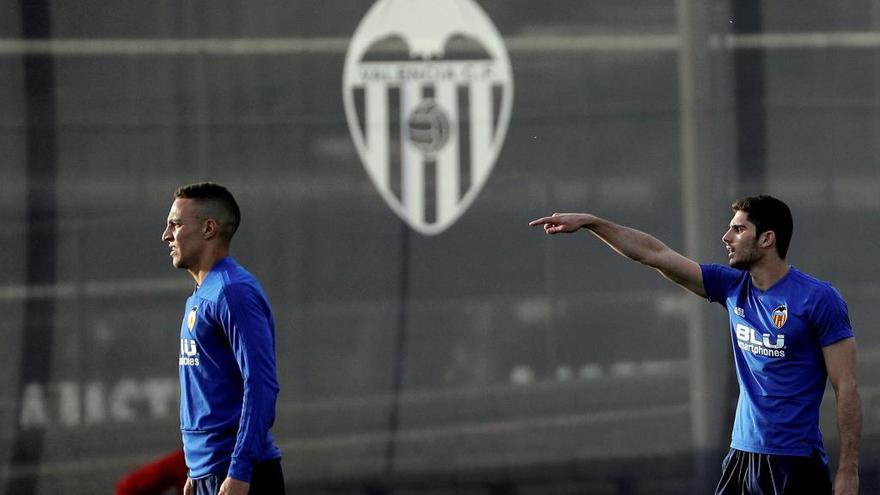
586,221
848,468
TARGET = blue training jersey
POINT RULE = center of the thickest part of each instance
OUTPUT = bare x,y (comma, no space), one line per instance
228,383
778,336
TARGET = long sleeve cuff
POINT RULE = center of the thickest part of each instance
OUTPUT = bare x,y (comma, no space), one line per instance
241,469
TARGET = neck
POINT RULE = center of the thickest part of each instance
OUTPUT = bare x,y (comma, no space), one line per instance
206,262
765,273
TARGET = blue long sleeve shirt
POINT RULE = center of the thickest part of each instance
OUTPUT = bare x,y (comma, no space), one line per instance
228,382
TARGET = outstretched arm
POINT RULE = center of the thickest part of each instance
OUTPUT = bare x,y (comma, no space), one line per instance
840,361
634,244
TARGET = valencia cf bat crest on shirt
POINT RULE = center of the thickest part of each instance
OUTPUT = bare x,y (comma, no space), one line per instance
780,316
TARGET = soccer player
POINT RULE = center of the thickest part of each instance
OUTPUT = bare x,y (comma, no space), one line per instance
228,383
790,334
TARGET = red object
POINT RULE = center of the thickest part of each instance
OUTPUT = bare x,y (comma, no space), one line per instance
156,477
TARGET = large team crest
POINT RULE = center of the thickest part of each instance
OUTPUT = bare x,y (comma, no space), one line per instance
428,91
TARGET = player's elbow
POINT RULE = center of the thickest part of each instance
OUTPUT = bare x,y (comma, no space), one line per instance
846,386
849,385
653,255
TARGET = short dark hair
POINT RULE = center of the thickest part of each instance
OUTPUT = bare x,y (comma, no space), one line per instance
215,201
769,213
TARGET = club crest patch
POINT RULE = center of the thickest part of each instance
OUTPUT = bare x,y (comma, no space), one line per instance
191,318
780,316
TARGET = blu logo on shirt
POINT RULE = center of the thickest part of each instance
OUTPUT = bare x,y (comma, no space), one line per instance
748,341
189,353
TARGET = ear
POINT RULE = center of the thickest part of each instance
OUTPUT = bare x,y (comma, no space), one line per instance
210,229
768,239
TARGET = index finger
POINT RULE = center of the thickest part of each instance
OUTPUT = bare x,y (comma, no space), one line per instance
545,220
541,221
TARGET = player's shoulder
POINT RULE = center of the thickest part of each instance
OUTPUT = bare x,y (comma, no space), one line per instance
808,280
225,277
812,285
239,284
723,272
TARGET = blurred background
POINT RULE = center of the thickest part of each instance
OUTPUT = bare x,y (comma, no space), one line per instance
482,357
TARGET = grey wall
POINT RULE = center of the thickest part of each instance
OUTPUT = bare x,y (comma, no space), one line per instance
514,351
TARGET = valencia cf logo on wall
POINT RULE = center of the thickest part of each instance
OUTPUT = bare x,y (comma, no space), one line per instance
428,92
780,316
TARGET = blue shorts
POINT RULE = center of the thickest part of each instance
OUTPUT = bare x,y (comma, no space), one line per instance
768,474
267,480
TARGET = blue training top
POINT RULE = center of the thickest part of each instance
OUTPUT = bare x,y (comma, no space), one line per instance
228,383
778,336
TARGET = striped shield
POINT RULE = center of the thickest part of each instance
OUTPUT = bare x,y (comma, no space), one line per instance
428,91
780,316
